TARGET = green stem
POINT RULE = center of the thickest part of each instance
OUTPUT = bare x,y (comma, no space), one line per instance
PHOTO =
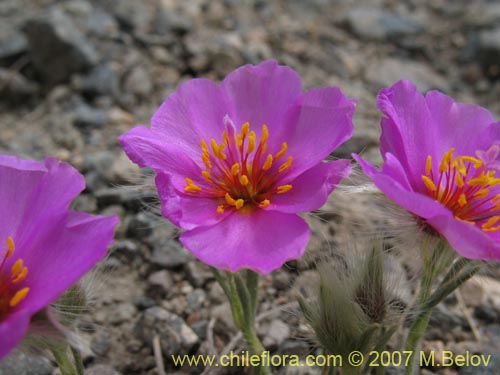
78,361
419,325
62,357
455,277
242,297
446,288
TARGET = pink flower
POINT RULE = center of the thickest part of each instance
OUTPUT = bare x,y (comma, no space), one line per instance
441,162
44,247
235,162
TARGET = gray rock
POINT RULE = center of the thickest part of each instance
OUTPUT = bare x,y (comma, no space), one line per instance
489,51
87,117
390,70
377,24
196,299
19,363
101,343
138,82
276,333
102,24
121,313
169,255
160,283
57,48
12,45
15,88
175,335
102,80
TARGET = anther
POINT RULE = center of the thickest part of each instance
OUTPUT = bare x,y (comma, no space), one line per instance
18,297
286,165
429,183
492,221
220,209
283,189
268,163
264,203
265,134
428,165
10,247
243,180
281,152
462,200
191,187
235,169
207,176
251,142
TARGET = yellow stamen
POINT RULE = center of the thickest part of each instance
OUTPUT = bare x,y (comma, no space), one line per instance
18,297
281,152
239,203
462,200
251,142
264,203
283,189
244,180
229,199
220,209
477,163
207,176
286,165
428,165
268,163
265,134
225,137
244,129
10,247
495,198
191,186
204,147
206,160
447,159
429,183
459,180
235,169
16,268
21,276
483,193
492,221
218,150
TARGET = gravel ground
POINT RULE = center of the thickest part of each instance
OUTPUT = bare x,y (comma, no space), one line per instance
76,74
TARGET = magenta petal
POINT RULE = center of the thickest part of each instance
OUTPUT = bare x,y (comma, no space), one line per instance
311,189
146,148
184,210
34,193
60,258
261,241
459,125
398,190
324,121
467,239
262,94
403,135
196,110
12,330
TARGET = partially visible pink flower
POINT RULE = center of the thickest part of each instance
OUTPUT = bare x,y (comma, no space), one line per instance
441,162
235,162
44,247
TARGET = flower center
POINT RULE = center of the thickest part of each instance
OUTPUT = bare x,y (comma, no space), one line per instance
10,294
467,186
238,171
